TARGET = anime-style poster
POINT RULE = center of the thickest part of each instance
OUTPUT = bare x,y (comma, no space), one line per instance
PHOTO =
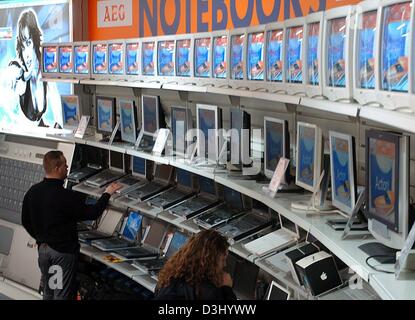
26,100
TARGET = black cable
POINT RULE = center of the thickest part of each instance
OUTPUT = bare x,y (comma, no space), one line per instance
377,269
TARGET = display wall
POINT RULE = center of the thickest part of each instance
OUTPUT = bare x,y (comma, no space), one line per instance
110,19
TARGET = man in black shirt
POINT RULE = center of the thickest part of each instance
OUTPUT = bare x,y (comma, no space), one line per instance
50,214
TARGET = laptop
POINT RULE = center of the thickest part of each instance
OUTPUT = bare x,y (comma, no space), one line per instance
138,176
278,240
106,227
277,292
232,208
176,242
153,239
80,175
116,171
250,223
129,231
160,183
183,190
205,200
245,278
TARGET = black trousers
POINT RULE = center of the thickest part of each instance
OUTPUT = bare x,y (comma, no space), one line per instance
58,271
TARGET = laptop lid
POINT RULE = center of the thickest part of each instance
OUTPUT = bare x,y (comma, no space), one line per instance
277,292
139,167
155,235
163,173
184,179
207,187
178,240
109,221
233,198
288,225
132,226
117,161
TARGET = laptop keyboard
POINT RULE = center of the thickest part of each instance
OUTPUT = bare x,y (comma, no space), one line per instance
191,205
16,178
168,197
104,178
145,190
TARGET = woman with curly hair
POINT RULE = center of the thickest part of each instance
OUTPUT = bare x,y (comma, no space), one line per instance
196,271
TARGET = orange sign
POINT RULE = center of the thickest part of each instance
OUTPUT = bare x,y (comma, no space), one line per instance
160,17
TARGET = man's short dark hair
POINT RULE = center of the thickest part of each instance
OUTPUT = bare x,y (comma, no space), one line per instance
28,19
52,160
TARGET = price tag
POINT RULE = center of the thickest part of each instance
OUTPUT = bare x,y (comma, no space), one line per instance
279,174
83,125
161,141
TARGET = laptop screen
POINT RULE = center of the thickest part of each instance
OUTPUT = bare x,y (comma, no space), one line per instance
163,172
179,239
207,185
139,166
156,234
116,160
245,278
132,226
233,198
276,292
184,177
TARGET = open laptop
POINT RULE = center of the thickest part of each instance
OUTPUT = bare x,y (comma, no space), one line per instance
160,183
252,222
138,176
233,207
277,292
153,239
129,231
177,241
278,240
206,199
106,227
182,191
116,171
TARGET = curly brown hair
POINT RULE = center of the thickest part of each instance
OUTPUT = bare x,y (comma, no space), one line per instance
197,261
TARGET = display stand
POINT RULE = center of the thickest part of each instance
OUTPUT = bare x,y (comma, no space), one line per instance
405,260
114,132
355,211
309,206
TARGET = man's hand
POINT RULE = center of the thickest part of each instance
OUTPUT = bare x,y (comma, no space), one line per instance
112,188
227,280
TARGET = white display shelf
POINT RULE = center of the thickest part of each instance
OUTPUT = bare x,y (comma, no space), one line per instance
123,267
184,87
122,83
396,119
276,97
146,281
389,288
346,109
60,80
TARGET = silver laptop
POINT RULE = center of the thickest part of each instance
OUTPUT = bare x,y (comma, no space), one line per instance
176,242
233,207
277,292
244,226
138,176
128,237
116,171
162,177
106,227
184,189
153,239
206,199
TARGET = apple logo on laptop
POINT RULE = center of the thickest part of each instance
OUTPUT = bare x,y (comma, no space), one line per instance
323,276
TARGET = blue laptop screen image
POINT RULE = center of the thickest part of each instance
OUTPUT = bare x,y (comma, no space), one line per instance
233,198
206,185
132,226
275,146
139,165
179,239
184,178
